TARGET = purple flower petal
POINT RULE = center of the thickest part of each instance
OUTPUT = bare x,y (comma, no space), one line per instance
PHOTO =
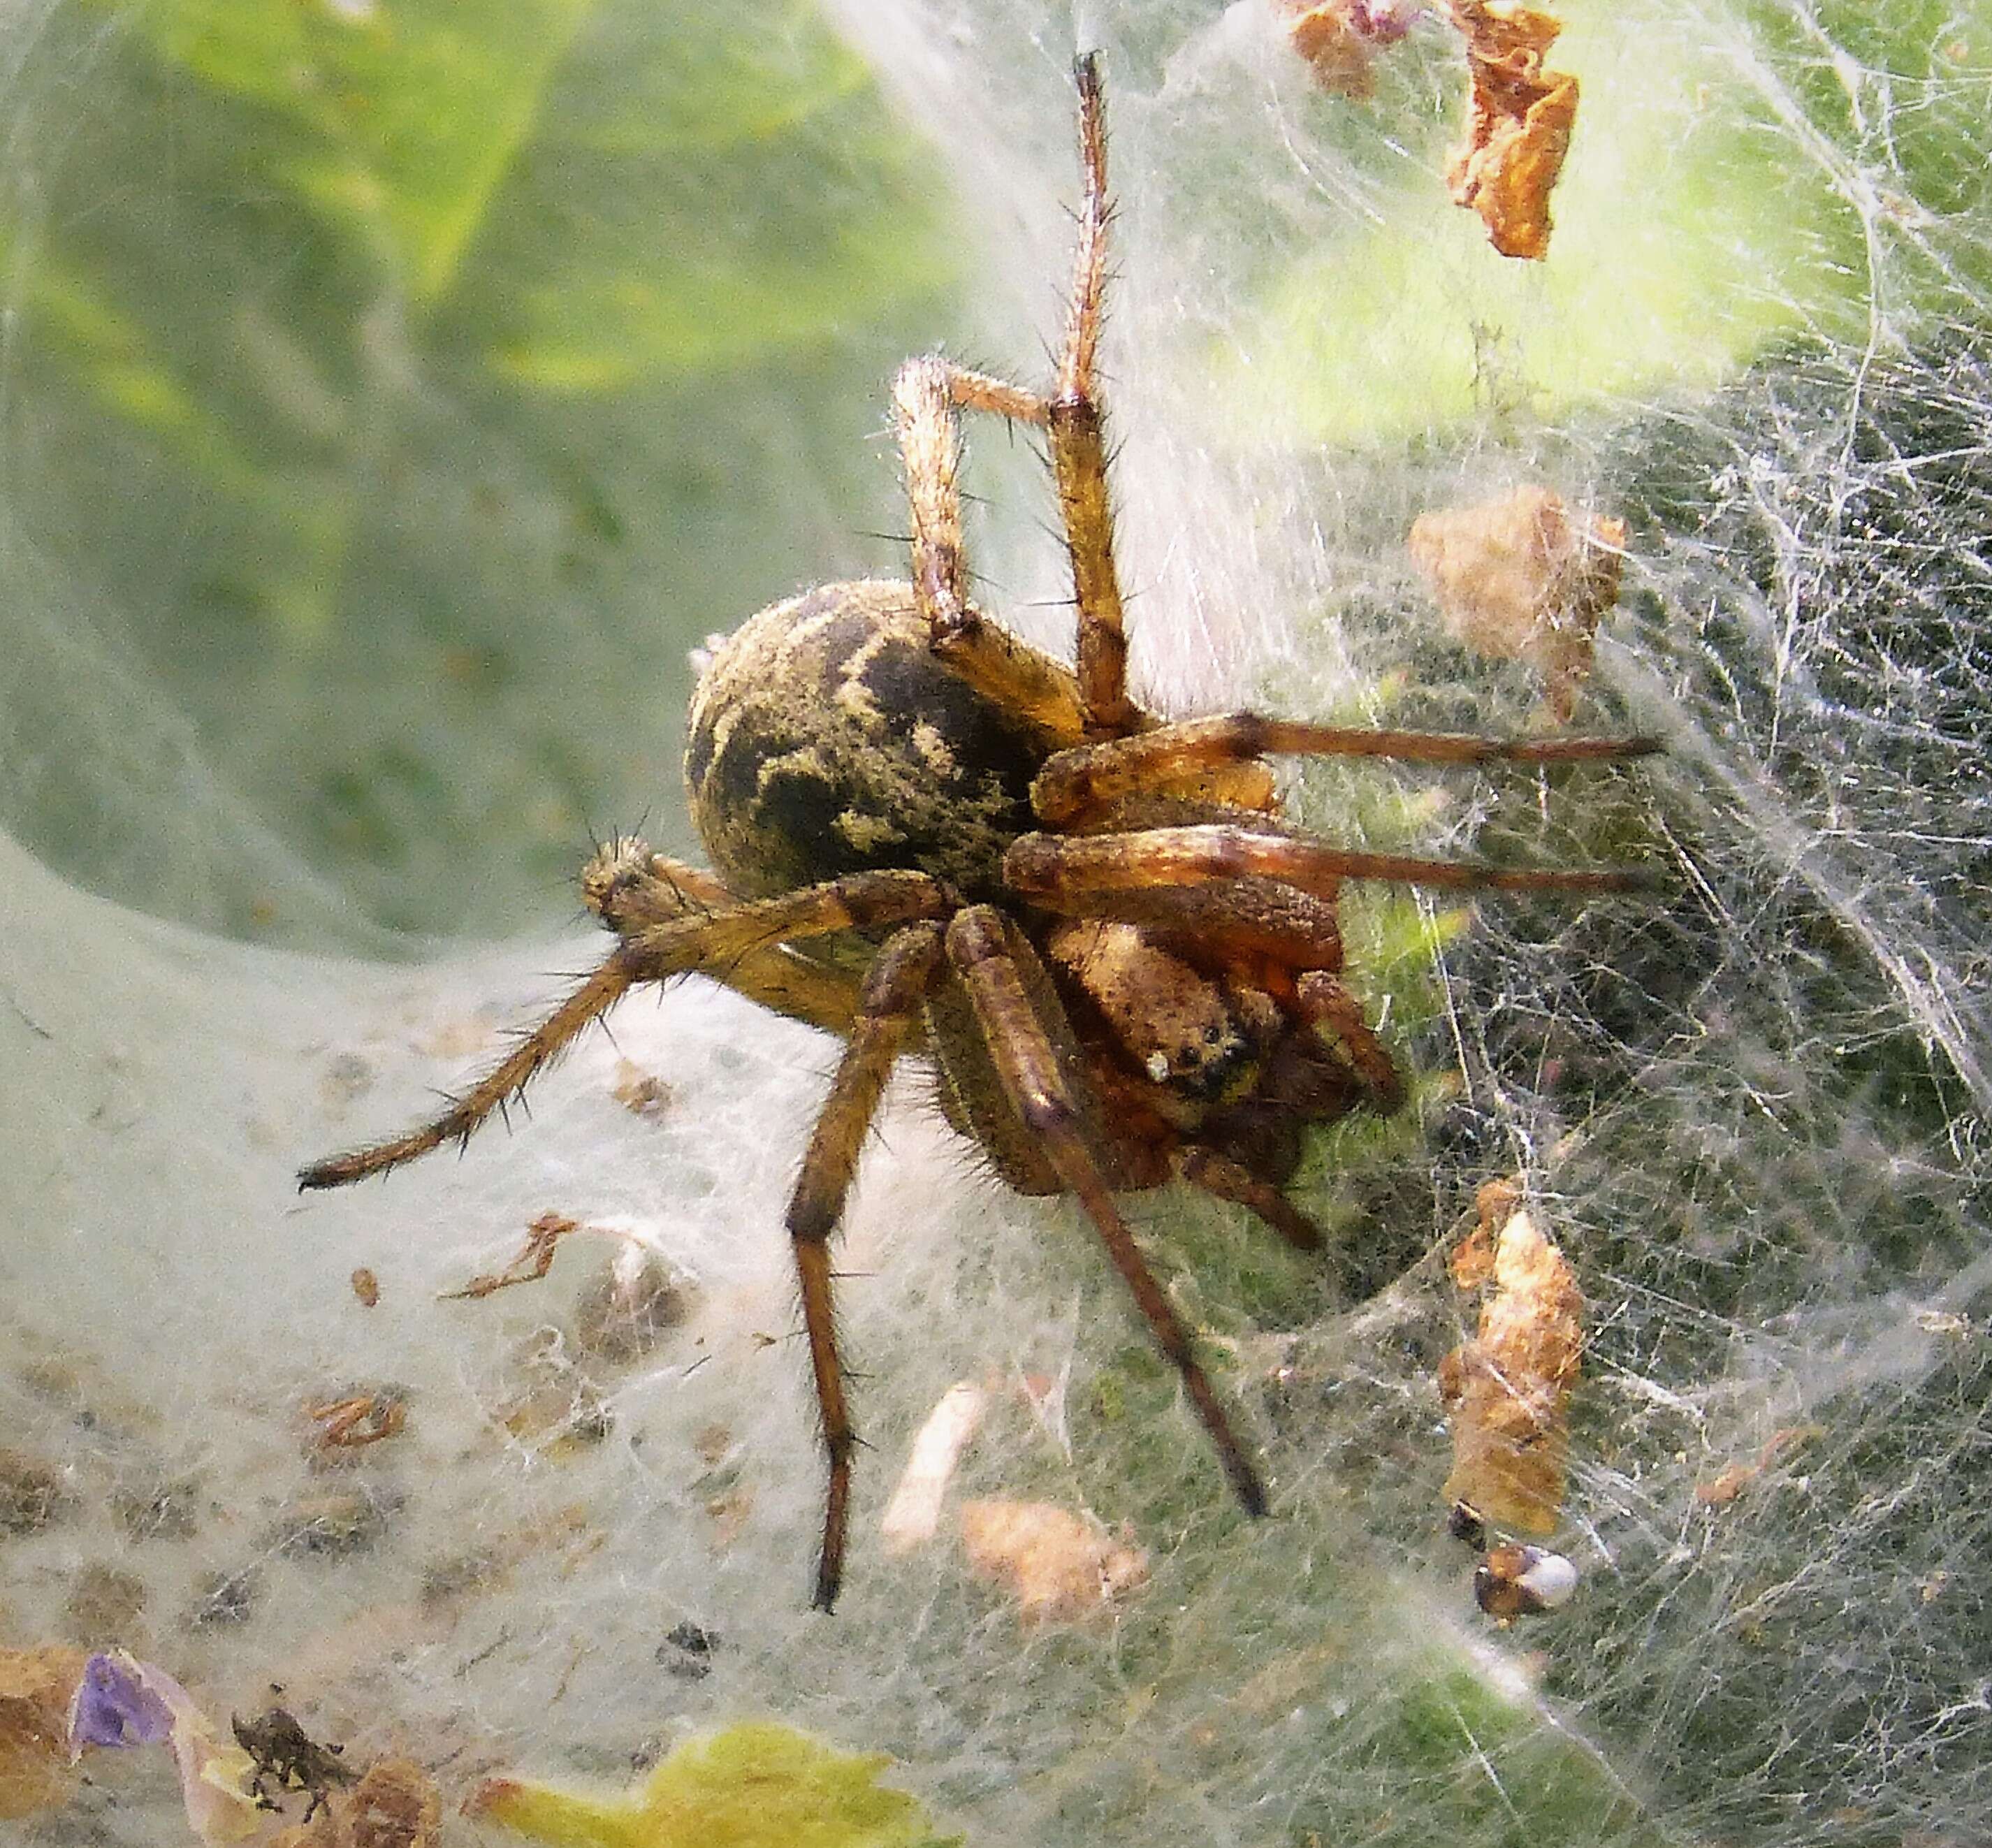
113,1706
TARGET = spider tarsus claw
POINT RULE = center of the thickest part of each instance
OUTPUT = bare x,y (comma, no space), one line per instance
334,1170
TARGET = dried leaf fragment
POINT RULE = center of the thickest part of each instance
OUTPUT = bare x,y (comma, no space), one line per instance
1472,1262
1059,1566
1519,120
358,1418
1508,1391
1338,39
36,1688
535,1260
394,1805
1523,577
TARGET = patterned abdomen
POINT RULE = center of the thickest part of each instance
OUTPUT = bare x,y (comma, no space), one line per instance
825,738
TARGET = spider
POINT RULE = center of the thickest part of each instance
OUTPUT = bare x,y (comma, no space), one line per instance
1096,924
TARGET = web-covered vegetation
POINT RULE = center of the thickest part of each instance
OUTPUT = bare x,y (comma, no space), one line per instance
1752,1111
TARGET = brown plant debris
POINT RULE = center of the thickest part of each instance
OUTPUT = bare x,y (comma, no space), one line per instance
1508,1390
1523,577
535,1260
1519,121
1338,39
35,1686
635,1300
357,1420
286,1758
642,1094
1059,1566
104,1602
395,1806
32,1493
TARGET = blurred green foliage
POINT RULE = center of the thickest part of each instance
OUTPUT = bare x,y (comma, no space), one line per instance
386,377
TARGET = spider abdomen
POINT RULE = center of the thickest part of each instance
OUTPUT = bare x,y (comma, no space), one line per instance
825,738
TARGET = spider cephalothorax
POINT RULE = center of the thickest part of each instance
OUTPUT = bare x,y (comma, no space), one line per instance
931,839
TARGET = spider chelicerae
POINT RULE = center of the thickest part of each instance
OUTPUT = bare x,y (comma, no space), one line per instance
1097,925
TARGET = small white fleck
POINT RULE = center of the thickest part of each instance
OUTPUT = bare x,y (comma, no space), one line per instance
1549,1580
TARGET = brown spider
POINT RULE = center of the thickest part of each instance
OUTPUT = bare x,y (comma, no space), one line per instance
1096,923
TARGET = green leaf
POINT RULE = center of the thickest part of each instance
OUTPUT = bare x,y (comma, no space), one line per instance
759,1785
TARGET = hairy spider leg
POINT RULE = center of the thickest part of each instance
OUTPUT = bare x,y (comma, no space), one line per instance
1245,922
613,979
708,945
889,1022
1078,785
927,395
629,888
1039,865
1079,445
990,957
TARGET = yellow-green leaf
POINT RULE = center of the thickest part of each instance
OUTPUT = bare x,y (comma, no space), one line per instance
759,1785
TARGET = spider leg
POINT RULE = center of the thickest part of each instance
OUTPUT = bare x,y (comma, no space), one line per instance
629,888
887,1021
1083,783
613,979
927,396
652,952
1038,865
991,958
1225,1179
1079,445
1236,921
